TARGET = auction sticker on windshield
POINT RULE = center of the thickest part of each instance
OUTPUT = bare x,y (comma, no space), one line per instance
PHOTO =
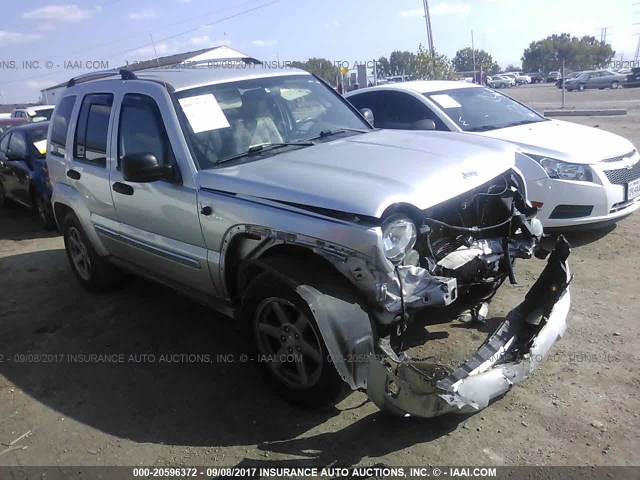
445,101
633,189
203,113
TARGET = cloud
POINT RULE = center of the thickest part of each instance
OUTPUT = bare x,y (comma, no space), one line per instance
264,43
503,2
332,24
17,37
144,14
438,10
39,84
48,18
149,52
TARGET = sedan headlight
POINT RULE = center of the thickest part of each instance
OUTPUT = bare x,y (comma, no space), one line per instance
399,235
564,170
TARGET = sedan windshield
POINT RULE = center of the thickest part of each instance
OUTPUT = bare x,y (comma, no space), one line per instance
481,109
263,116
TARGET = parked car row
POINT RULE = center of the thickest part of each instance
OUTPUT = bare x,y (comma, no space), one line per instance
599,79
37,113
273,198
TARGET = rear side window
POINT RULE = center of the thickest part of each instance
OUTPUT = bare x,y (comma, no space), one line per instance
18,144
141,129
60,126
92,129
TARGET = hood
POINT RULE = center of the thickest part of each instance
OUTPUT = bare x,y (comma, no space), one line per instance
366,173
564,141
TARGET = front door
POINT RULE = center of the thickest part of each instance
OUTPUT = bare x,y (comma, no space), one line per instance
159,221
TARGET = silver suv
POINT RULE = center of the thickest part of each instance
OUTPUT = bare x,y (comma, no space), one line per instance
266,194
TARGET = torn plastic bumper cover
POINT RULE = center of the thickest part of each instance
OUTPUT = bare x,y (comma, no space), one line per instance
402,386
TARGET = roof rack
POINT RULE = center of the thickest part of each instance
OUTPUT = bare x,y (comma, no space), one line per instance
87,77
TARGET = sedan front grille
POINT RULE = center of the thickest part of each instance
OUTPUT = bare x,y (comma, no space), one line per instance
622,176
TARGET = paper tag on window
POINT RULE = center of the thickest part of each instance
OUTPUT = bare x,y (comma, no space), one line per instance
203,113
445,101
41,146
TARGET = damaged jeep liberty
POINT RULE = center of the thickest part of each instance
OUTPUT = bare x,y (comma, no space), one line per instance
267,195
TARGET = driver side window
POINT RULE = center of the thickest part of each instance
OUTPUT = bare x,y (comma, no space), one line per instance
141,130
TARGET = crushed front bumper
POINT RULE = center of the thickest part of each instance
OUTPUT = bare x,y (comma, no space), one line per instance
405,387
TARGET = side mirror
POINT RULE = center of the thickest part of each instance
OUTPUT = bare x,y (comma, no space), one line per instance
368,115
143,168
426,124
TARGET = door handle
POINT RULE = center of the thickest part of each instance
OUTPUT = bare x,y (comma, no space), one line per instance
123,188
74,174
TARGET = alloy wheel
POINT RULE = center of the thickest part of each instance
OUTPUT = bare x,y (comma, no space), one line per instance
79,254
288,343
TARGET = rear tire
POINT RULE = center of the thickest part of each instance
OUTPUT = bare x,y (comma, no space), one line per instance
94,272
289,346
44,215
615,85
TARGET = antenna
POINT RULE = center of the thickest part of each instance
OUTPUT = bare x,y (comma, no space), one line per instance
155,52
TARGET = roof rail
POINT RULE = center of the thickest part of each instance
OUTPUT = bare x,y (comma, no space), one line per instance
87,77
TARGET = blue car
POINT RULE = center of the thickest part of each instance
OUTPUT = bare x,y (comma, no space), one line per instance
24,179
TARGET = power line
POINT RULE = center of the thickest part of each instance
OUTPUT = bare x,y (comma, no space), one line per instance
184,32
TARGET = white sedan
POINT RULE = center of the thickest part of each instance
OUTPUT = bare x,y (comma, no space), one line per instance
576,175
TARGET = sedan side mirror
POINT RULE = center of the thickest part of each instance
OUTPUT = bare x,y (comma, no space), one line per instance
426,124
144,168
368,115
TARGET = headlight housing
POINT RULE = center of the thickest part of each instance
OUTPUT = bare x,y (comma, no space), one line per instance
399,235
564,170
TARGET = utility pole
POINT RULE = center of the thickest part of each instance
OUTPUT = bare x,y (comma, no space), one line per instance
473,55
427,17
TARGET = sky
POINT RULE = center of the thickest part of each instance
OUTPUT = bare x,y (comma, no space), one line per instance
44,42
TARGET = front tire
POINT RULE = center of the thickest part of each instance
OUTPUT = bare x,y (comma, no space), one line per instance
581,87
289,346
615,85
94,272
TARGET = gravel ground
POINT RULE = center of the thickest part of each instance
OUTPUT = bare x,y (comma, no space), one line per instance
139,406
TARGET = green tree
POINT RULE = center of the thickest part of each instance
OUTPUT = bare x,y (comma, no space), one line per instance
402,63
463,61
512,68
322,67
436,67
578,53
383,67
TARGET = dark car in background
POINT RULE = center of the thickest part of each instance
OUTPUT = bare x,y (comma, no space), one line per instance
633,78
24,179
553,76
569,76
600,79
536,77
7,123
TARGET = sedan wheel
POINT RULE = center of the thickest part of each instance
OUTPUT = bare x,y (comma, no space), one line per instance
43,214
581,87
615,85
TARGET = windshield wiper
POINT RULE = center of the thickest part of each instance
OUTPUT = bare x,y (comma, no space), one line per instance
336,131
484,128
265,147
524,122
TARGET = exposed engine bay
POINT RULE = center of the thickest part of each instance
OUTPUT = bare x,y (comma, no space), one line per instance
465,247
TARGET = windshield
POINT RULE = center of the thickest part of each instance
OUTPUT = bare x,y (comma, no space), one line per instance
237,119
480,109
45,113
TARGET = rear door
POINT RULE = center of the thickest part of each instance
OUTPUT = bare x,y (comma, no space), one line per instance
87,169
159,221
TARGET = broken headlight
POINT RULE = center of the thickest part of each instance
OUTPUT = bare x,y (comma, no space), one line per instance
399,235
564,170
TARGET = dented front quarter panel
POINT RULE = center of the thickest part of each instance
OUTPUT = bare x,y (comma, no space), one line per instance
404,387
